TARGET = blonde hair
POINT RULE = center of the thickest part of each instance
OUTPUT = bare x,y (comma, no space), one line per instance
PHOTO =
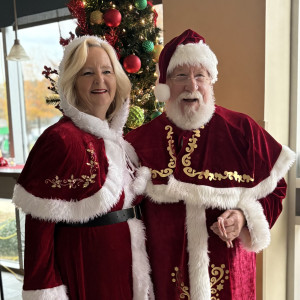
74,60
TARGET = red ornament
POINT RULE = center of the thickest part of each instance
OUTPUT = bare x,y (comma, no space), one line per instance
112,18
132,63
3,162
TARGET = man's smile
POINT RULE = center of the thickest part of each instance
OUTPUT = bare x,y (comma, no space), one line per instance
190,99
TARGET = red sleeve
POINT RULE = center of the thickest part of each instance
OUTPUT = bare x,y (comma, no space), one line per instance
39,263
272,204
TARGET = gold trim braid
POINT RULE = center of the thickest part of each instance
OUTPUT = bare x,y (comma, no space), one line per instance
85,180
219,275
172,163
187,161
177,278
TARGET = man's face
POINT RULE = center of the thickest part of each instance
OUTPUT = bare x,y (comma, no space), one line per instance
191,102
189,79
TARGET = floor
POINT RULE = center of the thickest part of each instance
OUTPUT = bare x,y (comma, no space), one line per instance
12,286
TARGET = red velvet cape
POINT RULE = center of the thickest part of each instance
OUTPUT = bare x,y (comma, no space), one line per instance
72,175
190,178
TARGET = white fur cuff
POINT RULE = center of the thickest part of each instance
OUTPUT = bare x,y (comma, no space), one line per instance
257,224
56,293
143,175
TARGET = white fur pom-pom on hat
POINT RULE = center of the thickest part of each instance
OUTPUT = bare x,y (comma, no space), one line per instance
188,48
162,92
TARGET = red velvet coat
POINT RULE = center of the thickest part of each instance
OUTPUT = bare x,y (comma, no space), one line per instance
75,172
190,178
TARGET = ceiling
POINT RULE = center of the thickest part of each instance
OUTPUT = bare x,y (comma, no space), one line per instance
35,11
27,8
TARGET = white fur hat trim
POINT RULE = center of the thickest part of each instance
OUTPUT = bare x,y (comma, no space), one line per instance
194,54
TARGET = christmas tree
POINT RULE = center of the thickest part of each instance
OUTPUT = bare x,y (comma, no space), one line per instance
131,28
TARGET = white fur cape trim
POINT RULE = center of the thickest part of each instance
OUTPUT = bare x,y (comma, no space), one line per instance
81,211
142,284
223,198
195,54
56,293
119,154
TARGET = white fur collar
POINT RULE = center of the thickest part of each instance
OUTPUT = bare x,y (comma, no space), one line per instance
99,128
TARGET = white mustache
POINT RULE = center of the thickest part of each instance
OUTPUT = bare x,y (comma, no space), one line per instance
193,95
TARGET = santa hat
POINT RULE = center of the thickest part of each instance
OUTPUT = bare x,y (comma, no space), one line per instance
187,48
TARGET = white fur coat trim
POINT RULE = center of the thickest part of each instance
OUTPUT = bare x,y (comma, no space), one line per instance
56,293
198,252
142,284
101,202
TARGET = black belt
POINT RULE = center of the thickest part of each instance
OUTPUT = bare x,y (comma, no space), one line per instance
113,217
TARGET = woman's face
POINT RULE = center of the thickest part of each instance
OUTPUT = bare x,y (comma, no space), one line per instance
95,84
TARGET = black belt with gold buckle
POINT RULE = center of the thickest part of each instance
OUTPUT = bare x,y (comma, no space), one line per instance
113,217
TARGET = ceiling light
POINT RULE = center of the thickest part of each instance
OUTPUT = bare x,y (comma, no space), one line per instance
17,52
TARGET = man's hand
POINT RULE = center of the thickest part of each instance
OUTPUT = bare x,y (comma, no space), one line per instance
229,225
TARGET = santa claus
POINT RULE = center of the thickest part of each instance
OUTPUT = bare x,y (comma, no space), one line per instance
212,181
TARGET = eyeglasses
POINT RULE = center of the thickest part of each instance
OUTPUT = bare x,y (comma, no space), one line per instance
184,79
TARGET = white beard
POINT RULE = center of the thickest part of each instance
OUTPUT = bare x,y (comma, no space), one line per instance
190,118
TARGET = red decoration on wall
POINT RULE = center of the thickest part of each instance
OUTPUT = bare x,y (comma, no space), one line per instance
112,17
132,63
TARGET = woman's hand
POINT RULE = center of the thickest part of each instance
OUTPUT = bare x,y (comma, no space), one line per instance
229,225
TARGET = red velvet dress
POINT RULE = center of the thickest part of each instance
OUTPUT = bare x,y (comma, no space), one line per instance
189,178
75,173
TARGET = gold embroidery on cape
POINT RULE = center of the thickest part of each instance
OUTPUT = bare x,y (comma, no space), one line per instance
186,162
219,275
186,159
85,180
176,278
172,163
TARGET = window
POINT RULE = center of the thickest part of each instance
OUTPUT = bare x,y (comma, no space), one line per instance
4,132
29,116
293,279
44,50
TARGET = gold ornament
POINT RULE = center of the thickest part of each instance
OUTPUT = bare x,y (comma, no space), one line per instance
96,17
156,52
